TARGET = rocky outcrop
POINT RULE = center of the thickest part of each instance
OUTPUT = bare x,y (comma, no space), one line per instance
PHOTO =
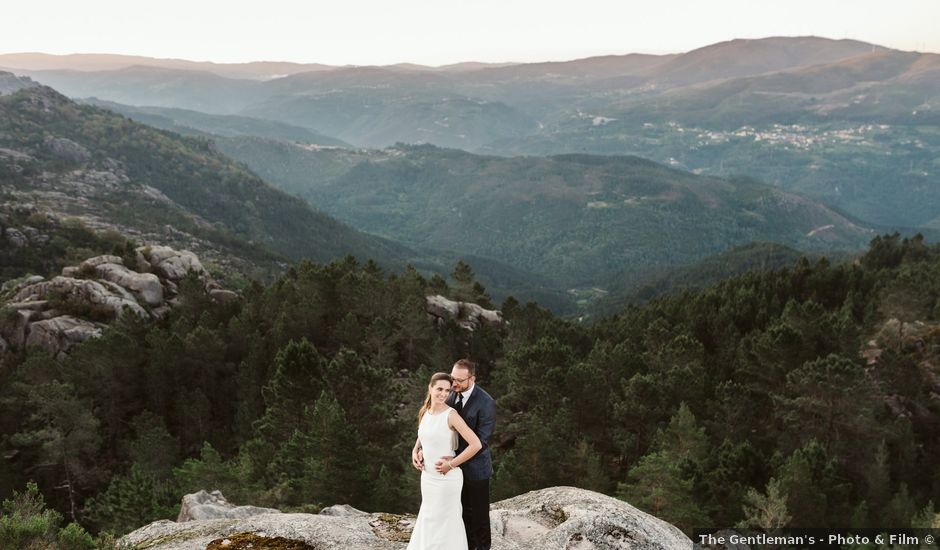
171,264
79,294
571,518
466,314
62,332
66,149
203,505
562,518
146,286
222,296
10,83
23,236
342,510
59,313
16,238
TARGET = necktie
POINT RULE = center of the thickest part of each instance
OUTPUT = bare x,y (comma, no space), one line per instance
458,405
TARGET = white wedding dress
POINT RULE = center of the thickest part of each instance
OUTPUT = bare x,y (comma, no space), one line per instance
440,520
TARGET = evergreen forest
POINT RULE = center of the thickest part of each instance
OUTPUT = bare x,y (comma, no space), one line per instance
801,396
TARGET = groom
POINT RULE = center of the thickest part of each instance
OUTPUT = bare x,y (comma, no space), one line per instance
478,409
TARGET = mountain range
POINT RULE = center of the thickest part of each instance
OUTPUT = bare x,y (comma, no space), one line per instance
846,122
536,173
544,228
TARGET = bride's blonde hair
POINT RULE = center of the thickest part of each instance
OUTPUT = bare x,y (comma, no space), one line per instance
436,377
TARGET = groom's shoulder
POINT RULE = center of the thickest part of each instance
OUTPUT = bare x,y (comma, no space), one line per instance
483,393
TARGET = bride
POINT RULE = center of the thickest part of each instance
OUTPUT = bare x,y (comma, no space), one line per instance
440,521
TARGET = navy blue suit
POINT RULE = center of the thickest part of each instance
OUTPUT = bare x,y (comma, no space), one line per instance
479,412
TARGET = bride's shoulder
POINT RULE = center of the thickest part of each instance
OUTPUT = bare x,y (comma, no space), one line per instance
452,414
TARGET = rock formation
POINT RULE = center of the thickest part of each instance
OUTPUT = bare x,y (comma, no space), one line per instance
562,518
58,313
203,505
468,315
10,83
66,149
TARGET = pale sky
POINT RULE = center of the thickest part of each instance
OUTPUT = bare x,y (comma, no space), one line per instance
436,32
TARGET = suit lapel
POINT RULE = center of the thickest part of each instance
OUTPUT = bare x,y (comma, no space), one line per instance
470,399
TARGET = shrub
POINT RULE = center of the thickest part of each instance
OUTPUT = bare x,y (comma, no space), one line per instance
74,537
26,524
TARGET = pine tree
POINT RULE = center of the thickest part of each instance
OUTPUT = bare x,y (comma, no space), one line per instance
682,438
385,492
832,400
297,377
507,480
814,492
333,473
542,459
860,516
210,472
463,278
901,509
878,478
926,517
729,472
153,450
132,500
587,468
65,431
765,511
657,485
660,482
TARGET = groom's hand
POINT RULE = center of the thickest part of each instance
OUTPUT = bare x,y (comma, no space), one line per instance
417,459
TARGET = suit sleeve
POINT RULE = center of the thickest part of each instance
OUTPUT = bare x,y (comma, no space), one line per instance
487,422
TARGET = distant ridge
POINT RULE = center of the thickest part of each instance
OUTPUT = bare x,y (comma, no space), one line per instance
844,121
747,57
754,56
255,70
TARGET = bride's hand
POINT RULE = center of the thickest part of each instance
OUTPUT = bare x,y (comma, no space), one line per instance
417,460
444,461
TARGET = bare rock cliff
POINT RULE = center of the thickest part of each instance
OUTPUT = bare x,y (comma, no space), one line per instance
557,518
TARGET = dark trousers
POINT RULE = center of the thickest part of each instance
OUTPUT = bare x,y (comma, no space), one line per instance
475,498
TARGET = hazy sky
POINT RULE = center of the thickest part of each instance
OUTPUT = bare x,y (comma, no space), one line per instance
436,32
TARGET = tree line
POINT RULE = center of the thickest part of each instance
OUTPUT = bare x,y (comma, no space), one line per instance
747,403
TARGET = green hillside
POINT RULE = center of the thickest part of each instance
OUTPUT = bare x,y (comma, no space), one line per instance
572,219
757,256
117,174
379,117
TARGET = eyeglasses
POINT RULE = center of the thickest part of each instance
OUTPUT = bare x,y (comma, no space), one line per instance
462,380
